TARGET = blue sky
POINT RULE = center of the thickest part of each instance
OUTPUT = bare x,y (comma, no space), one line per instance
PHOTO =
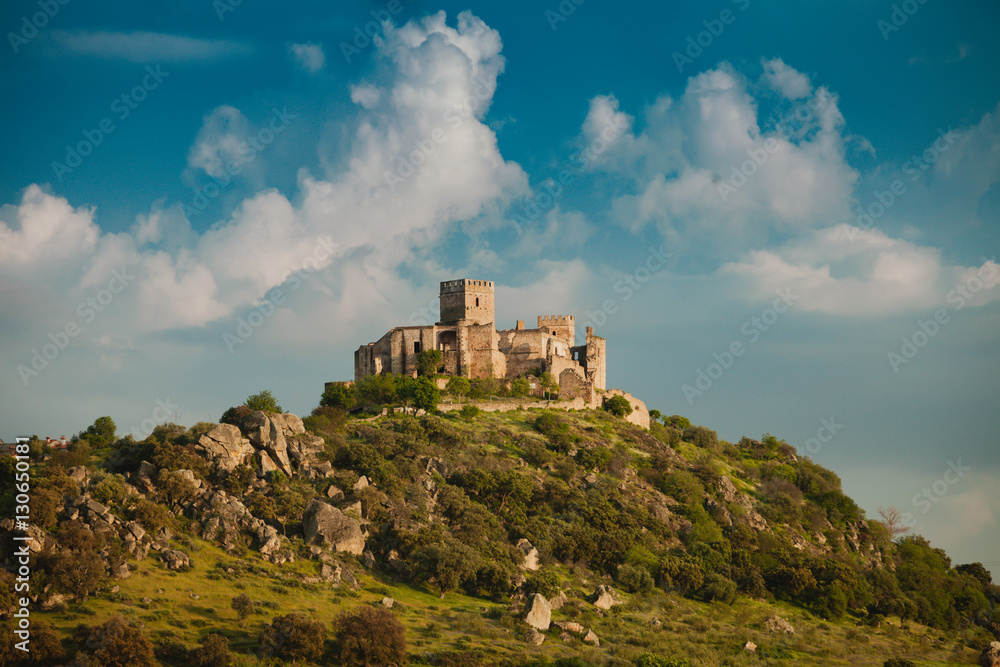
199,202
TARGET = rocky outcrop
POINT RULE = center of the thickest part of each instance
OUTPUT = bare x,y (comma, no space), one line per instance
324,524
605,597
267,434
533,636
538,612
225,446
990,656
530,555
776,624
176,559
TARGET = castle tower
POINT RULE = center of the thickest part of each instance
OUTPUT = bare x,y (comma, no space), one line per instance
596,359
469,301
560,326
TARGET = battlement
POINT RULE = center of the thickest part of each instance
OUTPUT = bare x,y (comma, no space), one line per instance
466,285
555,320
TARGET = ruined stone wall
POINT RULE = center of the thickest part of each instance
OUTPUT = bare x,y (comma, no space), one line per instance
639,416
596,360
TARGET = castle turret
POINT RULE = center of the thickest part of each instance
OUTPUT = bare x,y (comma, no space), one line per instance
560,326
467,301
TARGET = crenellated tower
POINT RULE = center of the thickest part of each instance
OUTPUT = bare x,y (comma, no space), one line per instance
467,301
560,326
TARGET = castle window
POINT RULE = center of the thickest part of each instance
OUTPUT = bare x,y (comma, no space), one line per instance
416,347
477,302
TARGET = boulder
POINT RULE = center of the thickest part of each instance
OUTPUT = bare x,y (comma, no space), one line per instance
591,638
539,613
570,626
749,647
265,433
324,524
362,483
990,656
267,538
530,555
388,603
334,493
289,424
121,572
265,464
775,624
225,446
533,636
606,597
558,601
176,559
79,474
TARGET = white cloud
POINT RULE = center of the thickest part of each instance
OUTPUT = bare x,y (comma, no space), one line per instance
221,140
309,56
874,275
792,84
146,47
44,230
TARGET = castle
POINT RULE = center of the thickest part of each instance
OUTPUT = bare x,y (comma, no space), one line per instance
472,347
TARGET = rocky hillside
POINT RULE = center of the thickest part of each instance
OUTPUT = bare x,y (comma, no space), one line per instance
526,537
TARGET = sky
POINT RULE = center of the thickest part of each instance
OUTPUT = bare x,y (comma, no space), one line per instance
783,217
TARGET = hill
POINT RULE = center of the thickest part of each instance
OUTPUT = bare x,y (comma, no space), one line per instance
528,537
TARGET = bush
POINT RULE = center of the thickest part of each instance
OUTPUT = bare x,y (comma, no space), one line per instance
635,579
428,362
618,406
469,412
458,386
339,395
717,588
293,637
370,636
213,652
243,606
263,401
544,582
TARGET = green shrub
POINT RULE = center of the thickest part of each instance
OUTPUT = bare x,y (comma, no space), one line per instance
635,579
618,406
370,636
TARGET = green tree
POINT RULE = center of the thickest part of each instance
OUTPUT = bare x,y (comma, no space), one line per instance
618,406
370,636
101,433
520,387
293,637
120,643
428,362
677,422
426,394
213,652
243,606
458,386
263,401
339,395
374,390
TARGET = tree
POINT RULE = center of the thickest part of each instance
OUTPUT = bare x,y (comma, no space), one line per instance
426,394
339,395
119,643
520,387
655,415
618,406
293,637
677,422
213,652
264,402
79,573
458,386
376,390
428,362
370,636
101,433
243,606
893,520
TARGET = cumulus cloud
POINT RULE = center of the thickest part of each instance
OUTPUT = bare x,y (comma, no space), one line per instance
707,168
872,275
309,56
221,140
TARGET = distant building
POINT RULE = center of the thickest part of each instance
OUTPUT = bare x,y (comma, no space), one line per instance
472,347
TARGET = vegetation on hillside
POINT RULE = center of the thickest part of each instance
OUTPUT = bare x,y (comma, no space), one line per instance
701,538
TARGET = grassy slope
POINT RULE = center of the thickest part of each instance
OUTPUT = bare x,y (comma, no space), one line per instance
706,634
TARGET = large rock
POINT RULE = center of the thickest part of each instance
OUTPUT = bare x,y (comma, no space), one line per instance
530,555
226,446
605,597
533,636
266,433
289,424
591,638
539,613
175,559
142,478
324,524
267,538
776,624
990,656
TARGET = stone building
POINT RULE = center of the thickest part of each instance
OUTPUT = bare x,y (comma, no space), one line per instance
472,346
